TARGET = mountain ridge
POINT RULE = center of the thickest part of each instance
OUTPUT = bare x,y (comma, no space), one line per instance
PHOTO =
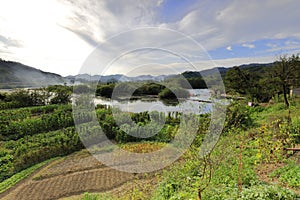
17,75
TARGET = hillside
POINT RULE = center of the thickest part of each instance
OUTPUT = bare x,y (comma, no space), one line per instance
14,75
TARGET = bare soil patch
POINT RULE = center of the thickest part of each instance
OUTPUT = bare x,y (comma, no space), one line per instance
73,175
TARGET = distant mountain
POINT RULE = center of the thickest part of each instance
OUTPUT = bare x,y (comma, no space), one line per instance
195,74
15,75
258,68
81,78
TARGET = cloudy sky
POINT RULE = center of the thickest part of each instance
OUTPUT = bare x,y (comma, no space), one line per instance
146,36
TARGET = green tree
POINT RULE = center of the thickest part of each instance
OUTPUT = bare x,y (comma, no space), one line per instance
21,97
286,73
105,90
62,95
173,93
242,82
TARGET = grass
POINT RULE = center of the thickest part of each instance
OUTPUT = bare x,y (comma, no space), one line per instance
10,182
288,175
276,110
91,196
142,147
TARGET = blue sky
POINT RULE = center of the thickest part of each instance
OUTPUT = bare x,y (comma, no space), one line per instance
174,10
60,36
261,47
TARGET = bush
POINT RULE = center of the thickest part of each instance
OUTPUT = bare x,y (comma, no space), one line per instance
173,93
105,90
238,115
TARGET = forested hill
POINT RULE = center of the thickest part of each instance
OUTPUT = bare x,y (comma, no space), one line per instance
14,75
253,67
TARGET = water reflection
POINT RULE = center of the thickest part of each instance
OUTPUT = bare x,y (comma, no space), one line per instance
194,104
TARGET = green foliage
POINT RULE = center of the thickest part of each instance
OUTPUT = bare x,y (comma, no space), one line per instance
295,129
25,98
149,89
105,90
62,94
183,179
264,83
197,83
266,192
180,182
271,140
6,163
238,116
2,96
30,150
260,192
289,174
238,80
37,97
25,140
22,98
173,93
47,122
90,196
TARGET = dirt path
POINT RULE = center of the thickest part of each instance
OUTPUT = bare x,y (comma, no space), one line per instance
73,175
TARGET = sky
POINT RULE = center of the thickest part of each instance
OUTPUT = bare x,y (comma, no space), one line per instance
136,37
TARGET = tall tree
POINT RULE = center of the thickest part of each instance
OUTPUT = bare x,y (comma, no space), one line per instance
286,72
242,82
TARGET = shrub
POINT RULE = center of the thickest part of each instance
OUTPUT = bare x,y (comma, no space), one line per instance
173,93
238,116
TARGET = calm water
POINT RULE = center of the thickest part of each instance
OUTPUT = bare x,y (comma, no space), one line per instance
191,105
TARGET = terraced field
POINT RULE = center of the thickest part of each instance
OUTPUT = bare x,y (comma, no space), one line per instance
69,176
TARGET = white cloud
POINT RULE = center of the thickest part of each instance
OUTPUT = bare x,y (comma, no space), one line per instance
44,44
272,45
234,22
229,48
159,3
59,35
250,46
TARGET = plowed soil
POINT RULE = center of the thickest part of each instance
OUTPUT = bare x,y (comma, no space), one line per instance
72,175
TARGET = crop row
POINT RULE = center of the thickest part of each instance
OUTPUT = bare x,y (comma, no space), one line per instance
23,113
25,152
49,122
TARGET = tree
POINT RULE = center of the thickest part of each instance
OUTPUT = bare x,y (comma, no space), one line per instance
21,97
2,96
286,72
242,82
40,96
173,93
62,95
105,90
